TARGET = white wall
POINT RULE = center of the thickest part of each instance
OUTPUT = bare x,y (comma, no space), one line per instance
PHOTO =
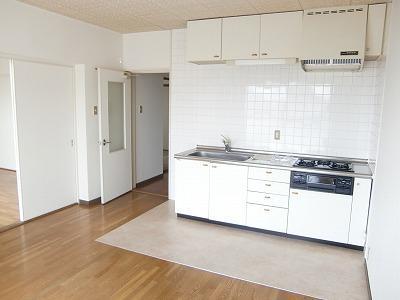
147,52
32,33
326,113
383,233
7,149
151,94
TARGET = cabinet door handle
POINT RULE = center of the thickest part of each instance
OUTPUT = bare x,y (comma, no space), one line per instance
216,56
205,165
267,184
267,197
267,209
295,193
264,53
254,54
268,172
214,166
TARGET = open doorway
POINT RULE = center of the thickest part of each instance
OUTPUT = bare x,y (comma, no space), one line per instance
152,133
9,207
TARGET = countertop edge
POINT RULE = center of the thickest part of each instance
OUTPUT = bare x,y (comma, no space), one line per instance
184,155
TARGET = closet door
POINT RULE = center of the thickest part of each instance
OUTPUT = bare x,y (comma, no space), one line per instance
44,111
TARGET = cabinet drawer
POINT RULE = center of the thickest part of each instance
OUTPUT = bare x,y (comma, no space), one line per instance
266,217
268,187
269,174
268,199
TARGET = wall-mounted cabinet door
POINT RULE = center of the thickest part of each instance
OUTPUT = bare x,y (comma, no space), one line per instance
192,187
203,40
280,35
375,30
228,189
241,37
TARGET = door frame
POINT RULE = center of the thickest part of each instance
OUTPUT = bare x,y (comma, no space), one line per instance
134,123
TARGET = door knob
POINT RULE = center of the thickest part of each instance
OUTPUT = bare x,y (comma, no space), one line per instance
105,142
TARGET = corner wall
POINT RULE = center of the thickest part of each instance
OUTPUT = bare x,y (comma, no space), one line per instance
383,240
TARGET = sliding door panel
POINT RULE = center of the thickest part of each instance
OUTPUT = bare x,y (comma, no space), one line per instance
44,105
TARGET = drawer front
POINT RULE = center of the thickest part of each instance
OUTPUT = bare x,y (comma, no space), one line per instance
269,174
266,217
268,187
268,199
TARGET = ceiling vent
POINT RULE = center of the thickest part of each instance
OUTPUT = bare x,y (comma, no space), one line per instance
334,39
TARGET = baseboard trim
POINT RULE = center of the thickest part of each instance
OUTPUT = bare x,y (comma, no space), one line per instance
150,180
282,234
93,202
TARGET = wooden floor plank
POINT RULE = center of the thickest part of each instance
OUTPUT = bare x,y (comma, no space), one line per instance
57,257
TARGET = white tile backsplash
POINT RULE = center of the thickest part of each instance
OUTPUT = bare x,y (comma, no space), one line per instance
330,113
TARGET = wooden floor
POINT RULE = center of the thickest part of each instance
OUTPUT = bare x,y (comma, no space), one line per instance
57,257
158,186
9,211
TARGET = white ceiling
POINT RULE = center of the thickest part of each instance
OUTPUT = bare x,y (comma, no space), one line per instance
148,15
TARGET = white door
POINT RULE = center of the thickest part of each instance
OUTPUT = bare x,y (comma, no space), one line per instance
115,134
46,157
319,215
192,187
228,190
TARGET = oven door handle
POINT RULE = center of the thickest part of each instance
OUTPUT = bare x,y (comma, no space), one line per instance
321,187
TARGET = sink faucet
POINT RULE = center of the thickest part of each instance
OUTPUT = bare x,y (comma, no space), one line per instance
227,143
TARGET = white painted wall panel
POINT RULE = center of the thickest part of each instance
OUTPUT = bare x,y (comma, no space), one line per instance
148,52
383,238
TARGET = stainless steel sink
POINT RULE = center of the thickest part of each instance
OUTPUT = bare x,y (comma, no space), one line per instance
221,155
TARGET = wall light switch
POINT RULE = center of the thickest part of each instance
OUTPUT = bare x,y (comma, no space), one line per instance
277,135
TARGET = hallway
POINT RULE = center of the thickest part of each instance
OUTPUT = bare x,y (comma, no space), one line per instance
156,186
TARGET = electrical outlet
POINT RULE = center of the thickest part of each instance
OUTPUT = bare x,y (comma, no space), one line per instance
277,135
95,110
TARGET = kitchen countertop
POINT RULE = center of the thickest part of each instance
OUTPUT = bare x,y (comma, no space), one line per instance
279,160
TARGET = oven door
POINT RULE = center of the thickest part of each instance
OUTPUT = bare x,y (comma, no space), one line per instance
319,215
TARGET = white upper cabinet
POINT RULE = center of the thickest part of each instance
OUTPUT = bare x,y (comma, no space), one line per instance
375,30
241,37
280,35
228,190
203,40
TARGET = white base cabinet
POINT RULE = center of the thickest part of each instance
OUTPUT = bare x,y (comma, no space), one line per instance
228,189
192,188
261,198
359,211
267,217
319,215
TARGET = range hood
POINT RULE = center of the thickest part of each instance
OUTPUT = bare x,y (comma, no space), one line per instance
334,38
